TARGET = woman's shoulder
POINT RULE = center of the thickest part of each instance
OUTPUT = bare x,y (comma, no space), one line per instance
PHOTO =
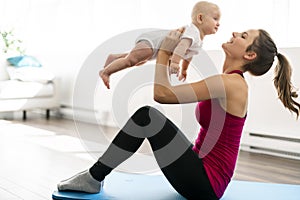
229,83
235,84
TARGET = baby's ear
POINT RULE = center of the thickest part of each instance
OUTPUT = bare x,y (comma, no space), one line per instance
250,55
200,18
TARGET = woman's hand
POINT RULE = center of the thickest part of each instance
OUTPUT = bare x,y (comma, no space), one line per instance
162,87
171,40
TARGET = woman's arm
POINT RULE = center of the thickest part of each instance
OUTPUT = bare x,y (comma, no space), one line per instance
164,92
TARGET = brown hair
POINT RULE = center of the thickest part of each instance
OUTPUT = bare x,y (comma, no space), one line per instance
266,51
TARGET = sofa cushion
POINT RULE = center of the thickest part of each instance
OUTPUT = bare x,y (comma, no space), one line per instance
14,89
35,74
22,61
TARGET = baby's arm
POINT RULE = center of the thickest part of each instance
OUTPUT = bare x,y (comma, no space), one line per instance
184,67
178,54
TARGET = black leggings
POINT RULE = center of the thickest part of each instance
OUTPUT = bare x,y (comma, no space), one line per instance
172,150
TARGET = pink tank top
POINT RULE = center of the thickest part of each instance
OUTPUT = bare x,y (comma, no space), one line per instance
218,142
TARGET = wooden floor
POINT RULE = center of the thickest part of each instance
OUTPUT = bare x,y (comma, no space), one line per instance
36,154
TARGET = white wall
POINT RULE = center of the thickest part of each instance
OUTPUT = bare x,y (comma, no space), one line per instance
63,34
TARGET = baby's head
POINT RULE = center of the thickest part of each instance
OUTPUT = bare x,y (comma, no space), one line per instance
206,16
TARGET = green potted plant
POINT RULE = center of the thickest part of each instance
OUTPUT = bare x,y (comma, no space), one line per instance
10,46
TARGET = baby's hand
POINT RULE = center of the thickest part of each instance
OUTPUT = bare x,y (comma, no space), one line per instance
182,75
174,68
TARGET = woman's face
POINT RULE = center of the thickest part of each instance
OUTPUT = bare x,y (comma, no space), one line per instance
237,45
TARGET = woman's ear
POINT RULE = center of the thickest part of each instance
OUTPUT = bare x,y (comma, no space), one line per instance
250,55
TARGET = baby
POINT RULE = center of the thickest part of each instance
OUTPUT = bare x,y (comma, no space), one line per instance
205,21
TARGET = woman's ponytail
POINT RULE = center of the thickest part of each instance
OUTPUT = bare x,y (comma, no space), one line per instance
282,82
266,51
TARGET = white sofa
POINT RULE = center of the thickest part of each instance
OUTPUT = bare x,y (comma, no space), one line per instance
25,94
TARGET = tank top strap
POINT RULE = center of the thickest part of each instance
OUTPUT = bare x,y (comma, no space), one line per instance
237,72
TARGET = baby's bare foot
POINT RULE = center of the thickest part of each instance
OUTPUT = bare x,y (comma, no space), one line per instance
105,78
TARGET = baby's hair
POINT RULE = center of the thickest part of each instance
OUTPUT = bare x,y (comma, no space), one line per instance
202,7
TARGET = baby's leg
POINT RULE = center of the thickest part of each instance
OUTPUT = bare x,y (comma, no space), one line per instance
112,57
140,54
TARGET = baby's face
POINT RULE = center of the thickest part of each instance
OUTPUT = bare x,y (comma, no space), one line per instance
211,21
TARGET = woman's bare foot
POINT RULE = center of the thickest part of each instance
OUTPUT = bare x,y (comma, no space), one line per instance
105,78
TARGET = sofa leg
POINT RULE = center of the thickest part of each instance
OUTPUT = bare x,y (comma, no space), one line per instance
24,115
47,114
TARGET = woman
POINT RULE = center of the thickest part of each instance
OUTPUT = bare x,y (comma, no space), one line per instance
204,169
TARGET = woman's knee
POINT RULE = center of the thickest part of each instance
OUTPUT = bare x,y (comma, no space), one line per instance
144,109
141,116
148,114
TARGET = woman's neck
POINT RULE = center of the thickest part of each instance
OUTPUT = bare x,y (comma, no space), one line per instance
230,65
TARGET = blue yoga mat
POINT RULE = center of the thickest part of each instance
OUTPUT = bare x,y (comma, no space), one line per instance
247,190
124,186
